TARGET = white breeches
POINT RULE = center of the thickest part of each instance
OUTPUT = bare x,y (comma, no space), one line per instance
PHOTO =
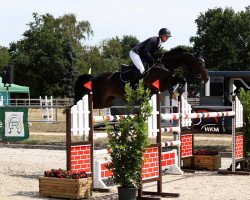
137,61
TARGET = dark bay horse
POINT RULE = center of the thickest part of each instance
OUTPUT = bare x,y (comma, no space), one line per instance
108,86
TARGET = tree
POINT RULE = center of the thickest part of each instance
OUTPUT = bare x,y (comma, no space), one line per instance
90,59
127,42
76,32
46,57
225,36
111,55
4,57
108,56
188,48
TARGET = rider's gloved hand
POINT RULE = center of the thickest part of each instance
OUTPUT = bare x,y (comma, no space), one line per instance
157,60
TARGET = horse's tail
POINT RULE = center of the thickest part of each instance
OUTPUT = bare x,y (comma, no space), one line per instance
80,90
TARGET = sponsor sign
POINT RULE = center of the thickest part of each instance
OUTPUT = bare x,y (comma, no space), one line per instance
214,124
13,124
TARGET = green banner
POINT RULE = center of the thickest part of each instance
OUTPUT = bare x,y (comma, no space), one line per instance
14,124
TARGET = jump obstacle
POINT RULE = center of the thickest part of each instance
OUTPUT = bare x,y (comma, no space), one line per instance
80,155
46,108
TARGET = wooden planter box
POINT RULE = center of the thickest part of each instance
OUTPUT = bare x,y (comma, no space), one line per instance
65,188
207,162
203,162
187,162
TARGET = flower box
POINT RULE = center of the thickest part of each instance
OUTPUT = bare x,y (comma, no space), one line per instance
65,188
187,163
204,160
207,162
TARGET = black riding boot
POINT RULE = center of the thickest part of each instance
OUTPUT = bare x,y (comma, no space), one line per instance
135,79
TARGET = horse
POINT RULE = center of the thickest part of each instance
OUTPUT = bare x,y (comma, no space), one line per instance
108,86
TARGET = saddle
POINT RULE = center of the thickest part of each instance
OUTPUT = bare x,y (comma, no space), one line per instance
129,72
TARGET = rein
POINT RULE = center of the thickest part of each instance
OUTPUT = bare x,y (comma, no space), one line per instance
146,73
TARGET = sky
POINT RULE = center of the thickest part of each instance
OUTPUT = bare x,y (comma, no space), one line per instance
110,18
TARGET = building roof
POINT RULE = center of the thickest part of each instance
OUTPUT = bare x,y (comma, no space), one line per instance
230,74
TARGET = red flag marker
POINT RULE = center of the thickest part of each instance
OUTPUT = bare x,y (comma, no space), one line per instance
156,84
88,85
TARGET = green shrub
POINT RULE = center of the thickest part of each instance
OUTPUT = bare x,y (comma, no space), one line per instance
245,100
128,143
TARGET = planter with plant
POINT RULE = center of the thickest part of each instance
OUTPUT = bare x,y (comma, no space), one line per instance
129,142
203,160
207,160
65,184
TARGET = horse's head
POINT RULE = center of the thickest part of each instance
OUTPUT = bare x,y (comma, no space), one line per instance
197,66
194,63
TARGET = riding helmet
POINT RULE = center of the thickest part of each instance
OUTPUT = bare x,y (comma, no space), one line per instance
164,31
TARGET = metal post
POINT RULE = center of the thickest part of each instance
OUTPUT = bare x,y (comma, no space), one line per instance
233,133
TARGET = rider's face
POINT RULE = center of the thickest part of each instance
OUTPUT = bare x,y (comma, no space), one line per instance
164,38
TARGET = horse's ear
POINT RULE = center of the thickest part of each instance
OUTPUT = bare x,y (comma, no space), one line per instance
195,54
201,53
202,50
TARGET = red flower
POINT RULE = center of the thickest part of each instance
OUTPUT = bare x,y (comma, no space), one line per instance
206,152
60,173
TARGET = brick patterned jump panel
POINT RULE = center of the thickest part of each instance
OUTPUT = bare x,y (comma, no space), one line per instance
80,158
150,168
105,173
239,147
186,145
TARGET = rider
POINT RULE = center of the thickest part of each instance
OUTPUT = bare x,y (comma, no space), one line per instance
145,50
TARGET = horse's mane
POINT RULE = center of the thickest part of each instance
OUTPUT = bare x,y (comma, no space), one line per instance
176,50
101,75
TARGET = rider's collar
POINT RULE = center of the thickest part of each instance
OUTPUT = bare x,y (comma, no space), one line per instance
160,42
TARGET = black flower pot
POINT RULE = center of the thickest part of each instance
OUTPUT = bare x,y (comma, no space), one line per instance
127,193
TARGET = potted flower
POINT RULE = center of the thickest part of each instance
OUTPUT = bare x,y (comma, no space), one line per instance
65,184
129,142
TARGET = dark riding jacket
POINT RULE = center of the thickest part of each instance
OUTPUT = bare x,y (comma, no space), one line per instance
147,48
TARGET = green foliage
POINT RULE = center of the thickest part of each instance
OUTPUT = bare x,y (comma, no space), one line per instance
245,100
108,56
225,36
4,57
90,59
131,140
127,42
188,48
45,58
112,48
75,31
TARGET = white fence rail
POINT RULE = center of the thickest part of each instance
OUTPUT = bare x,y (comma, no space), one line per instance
80,117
